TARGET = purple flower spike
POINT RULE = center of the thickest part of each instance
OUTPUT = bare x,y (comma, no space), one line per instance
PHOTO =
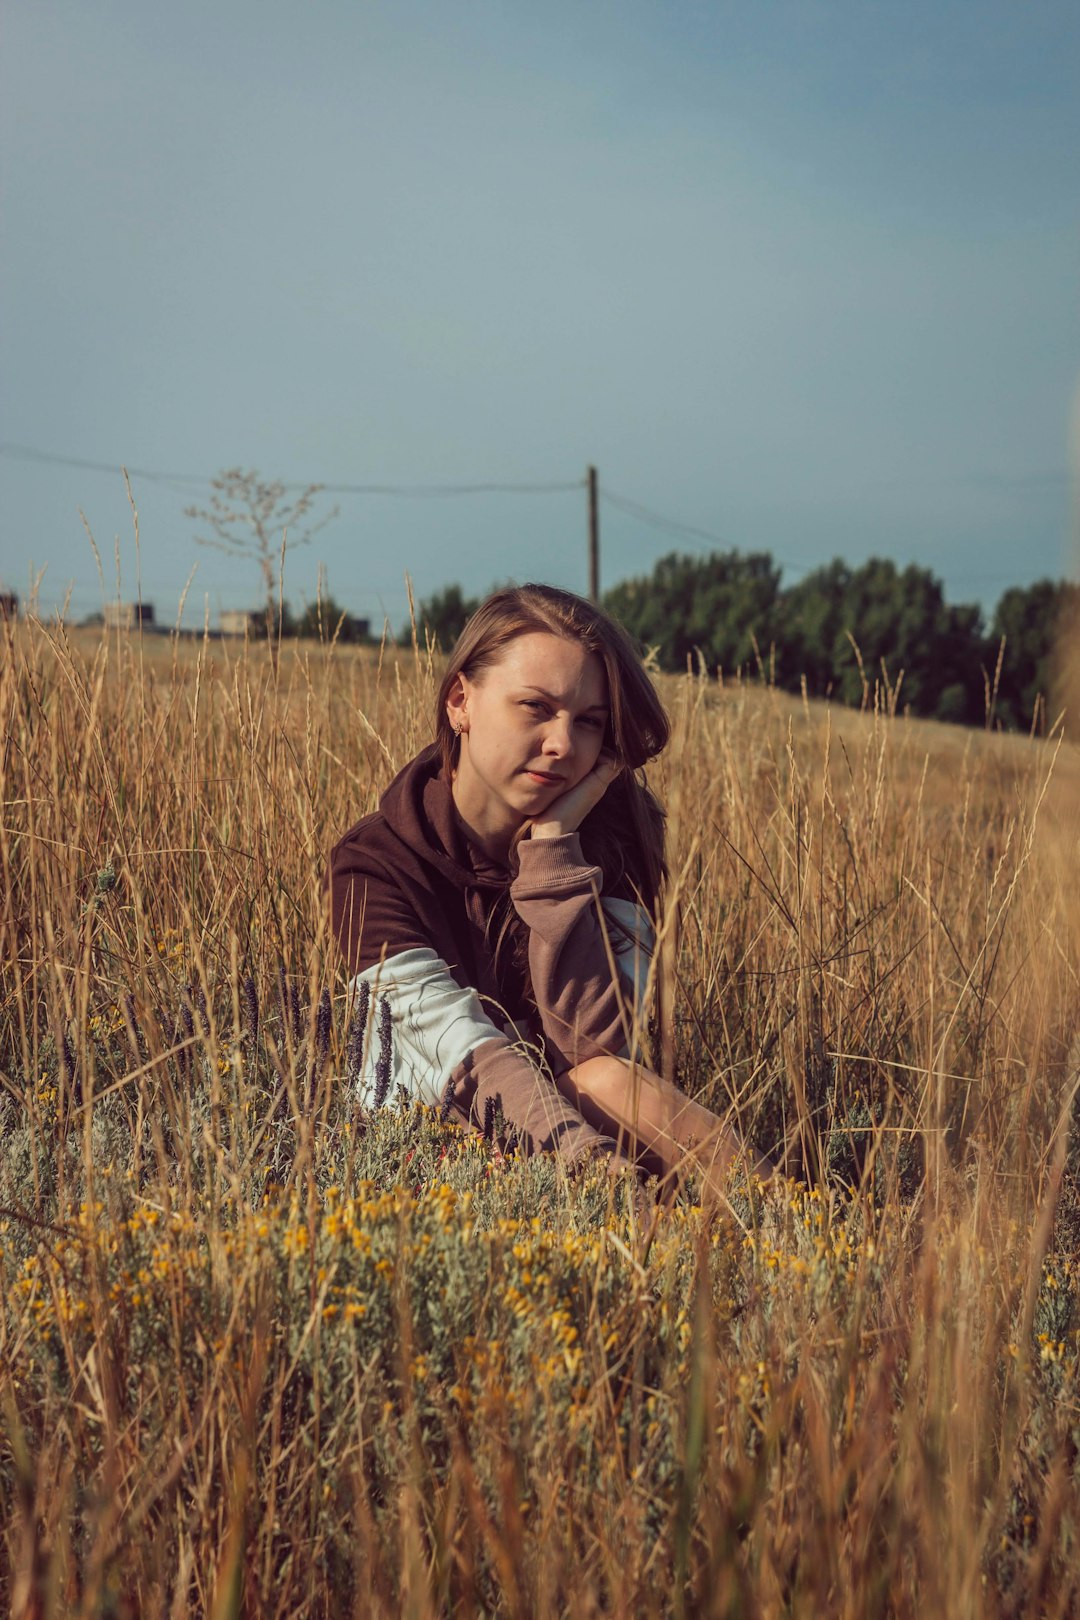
354,1052
383,1066
322,1030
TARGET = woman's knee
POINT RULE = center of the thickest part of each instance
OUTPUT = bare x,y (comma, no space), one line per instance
609,1080
603,1067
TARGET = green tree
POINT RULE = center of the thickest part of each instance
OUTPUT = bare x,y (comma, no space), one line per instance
721,607
813,618
327,620
1030,620
442,616
904,631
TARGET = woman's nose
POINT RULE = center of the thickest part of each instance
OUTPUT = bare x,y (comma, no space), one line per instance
558,741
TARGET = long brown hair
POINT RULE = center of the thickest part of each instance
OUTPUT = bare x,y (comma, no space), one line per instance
624,833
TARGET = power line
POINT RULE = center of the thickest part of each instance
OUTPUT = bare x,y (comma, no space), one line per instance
423,490
672,526
24,452
659,521
644,514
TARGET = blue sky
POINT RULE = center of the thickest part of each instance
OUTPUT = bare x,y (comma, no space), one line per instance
803,276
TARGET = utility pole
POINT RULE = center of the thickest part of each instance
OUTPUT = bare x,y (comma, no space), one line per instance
594,540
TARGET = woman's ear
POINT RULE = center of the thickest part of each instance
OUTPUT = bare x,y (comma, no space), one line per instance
456,702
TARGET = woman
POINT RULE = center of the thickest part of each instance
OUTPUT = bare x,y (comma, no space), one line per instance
501,897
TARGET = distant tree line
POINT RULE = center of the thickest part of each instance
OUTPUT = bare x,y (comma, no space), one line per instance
324,620
840,630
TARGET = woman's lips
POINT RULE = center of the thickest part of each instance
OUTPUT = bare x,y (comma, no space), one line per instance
544,780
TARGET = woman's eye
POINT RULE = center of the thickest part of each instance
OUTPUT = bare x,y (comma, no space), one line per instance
542,708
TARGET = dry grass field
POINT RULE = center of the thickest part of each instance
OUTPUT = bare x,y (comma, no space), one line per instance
260,1355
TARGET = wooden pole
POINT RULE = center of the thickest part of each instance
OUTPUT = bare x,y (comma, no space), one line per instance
594,539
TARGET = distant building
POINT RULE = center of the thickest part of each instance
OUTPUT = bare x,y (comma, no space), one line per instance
9,605
242,622
128,615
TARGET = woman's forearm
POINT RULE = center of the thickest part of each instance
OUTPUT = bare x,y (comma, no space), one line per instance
614,1094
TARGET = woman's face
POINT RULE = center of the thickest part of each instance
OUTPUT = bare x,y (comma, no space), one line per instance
533,725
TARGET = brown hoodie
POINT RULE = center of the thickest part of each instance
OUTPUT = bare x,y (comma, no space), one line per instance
417,909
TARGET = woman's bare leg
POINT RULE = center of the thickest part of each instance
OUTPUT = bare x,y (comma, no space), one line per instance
620,1097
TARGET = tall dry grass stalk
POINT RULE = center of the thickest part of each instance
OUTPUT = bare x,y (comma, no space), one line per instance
258,1355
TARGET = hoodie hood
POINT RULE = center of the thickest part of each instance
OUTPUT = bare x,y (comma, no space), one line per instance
418,807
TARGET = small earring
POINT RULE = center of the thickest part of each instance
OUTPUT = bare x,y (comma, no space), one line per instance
457,730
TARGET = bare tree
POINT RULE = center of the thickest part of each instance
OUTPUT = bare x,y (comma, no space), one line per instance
248,517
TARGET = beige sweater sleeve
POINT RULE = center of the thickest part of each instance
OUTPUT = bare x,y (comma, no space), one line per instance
440,1047
587,1009
546,1122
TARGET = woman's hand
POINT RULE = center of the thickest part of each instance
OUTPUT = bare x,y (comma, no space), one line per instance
566,813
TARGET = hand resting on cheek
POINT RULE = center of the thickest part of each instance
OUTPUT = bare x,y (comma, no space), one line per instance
566,813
